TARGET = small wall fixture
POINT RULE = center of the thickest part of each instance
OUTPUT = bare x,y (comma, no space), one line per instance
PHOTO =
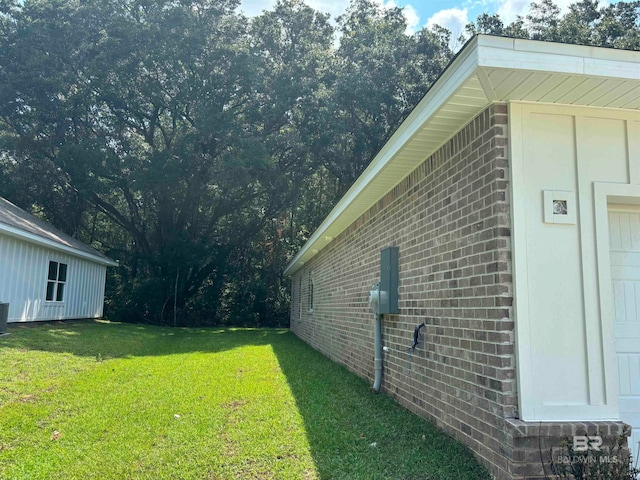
559,207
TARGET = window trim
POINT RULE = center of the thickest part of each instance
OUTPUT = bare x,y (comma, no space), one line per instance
58,286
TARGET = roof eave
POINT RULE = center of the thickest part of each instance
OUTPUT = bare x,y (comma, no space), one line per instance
466,78
465,62
32,238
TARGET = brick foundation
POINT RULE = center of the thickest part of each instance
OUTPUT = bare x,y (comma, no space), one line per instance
532,446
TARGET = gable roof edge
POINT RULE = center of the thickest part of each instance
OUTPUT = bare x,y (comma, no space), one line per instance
479,75
44,242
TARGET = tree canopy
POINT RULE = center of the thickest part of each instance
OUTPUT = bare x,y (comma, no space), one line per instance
200,147
587,22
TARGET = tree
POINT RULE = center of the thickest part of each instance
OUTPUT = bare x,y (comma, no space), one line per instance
542,20
492,24
381,74
201,148
159,117
586,23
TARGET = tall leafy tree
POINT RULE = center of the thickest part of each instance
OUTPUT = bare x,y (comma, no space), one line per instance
381,73
543,19
587,22
201,148
295,46
492,24
159,117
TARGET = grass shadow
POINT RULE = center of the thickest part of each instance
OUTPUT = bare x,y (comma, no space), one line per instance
104,340
352,434
355,434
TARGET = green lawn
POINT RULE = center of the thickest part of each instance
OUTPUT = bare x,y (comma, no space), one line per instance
104,400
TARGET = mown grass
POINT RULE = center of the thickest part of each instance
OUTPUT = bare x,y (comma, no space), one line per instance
103,400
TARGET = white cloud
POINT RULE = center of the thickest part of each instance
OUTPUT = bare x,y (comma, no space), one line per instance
332,7
410,13
454,19
251,8
509,9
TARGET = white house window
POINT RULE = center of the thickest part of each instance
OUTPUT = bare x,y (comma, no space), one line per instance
56,281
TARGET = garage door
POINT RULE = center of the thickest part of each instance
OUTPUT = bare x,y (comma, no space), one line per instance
625,271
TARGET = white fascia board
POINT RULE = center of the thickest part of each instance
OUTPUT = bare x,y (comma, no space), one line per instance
584,51
521,54
612,68
570,65
452,78
31,238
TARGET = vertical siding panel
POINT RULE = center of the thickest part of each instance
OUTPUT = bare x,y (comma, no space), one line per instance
22,254
97,304
23,283
11,258
78,280
634,372
86,297
28,254
39,283
630,297
87,308
3,261
102,275
90,307
70,294
625,231
81,297
614,239
82,280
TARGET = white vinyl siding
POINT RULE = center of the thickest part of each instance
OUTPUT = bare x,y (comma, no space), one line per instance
24,276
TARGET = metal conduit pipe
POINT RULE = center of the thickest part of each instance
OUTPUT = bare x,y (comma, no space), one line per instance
374,301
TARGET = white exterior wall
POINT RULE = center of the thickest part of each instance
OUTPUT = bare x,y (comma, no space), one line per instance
563,296
23,281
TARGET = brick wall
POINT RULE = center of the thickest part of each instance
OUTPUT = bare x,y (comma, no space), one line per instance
450,220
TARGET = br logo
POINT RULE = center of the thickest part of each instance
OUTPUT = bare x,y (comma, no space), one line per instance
582,443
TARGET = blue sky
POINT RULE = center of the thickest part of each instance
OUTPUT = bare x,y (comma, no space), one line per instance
453,14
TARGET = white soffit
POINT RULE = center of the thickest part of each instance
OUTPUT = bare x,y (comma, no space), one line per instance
488,69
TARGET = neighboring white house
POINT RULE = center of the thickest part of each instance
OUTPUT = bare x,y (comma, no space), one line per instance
46,274
512,193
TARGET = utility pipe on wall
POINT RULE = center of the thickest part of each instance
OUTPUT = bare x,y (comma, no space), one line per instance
374,301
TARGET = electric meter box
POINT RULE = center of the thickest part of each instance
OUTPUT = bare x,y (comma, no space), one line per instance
389,281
